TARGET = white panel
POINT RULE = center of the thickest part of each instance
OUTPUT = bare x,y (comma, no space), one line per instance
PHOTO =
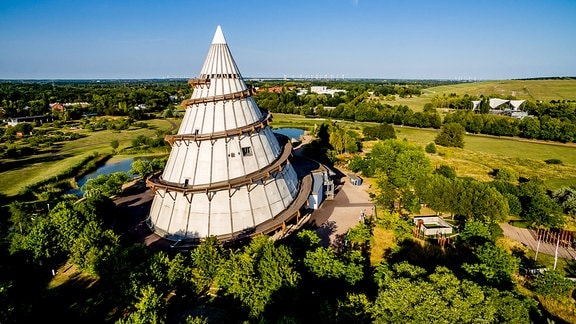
219,161
198,221
226,87
198,120
179,154
236,169
230,112
239,113
241,206
274,198
255,112
179,216
242,217
169,165
290,177
219,117
258,151
155,208
250,164
260,206
190,166
208,126
163,222
185,120
266,147
273,141
220,219
204,162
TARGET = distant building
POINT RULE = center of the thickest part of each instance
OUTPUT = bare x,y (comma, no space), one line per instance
57,107
82,104
320,90
13,121
503,107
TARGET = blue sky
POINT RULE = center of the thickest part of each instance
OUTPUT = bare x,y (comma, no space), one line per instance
390,39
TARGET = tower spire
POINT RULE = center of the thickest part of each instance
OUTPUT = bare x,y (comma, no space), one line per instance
218,36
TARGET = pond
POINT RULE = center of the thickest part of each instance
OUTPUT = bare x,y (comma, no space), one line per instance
290,132
124,165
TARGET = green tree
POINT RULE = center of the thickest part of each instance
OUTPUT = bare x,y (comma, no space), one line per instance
507,174
566,198
150,308
451,135
142,167
446,171
114,144
495,266
207,259
538,206
253,275
437,298
19,216
476,233
105,184
553,284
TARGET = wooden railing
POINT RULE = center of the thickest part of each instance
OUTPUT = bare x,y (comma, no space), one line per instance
228,96
250,128
155,181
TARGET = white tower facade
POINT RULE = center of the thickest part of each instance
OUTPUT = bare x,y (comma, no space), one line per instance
228,175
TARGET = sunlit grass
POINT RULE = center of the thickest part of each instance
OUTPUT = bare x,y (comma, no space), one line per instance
544,90
482,154
46,165
383,240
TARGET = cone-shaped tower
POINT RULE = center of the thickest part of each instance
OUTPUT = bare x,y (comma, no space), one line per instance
228,175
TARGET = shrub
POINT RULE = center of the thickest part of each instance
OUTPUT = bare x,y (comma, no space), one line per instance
553,161
430,148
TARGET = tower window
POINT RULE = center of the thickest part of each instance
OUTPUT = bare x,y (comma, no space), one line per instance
246,151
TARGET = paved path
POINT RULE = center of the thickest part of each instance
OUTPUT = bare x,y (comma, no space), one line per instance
335,217
528,239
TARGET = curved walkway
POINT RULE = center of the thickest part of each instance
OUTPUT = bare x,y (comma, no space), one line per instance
528,238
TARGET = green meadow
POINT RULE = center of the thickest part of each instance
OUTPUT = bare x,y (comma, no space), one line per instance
544,90
481,154
16,174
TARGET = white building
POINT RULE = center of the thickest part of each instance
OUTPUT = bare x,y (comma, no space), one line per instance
227,175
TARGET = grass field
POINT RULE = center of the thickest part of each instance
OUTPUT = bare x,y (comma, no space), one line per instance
27,171
481,154
544,90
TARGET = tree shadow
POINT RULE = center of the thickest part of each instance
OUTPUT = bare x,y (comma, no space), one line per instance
423,254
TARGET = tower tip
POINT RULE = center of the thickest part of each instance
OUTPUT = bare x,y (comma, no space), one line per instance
218,36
